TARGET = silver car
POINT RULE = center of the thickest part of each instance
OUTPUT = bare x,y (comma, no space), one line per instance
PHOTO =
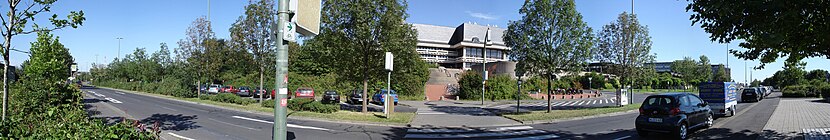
214,89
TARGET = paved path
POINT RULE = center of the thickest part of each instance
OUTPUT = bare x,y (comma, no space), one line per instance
454,114
792,116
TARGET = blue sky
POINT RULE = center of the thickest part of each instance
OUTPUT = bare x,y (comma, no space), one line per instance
147,23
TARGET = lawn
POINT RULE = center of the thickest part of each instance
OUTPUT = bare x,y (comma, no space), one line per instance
342,115
566,114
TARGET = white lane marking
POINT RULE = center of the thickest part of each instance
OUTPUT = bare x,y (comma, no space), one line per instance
99,95
542,137
439,130
600,101
622,138
91,91
168,108
234,124
122,93
113,100
289,125
431,113
179,136
514,128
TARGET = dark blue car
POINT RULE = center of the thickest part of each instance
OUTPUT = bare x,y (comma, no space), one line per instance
379,98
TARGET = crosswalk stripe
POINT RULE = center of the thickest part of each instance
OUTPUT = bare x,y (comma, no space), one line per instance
600,101
594,102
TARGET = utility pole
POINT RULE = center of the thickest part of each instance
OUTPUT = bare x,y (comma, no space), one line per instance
280,123
119,47
727,55
746,69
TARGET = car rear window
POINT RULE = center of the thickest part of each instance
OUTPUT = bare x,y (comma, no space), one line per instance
659,101
749,90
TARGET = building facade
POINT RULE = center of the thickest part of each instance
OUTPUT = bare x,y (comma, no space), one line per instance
460,47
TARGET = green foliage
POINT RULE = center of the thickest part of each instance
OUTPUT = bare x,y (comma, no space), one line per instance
301,104
470,85
501,87
535,46
721,75
357,33
268,103
801,25
796,91
627,43
755,83
228,98
597,81
49,61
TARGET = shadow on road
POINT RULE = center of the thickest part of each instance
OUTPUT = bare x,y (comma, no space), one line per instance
704,134
171,122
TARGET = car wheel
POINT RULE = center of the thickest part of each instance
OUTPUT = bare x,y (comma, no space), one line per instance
681,132
642,133
710,121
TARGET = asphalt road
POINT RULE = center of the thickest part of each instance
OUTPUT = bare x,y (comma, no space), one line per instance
181,120
747,124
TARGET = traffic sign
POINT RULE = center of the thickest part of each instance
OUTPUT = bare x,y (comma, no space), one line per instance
288,32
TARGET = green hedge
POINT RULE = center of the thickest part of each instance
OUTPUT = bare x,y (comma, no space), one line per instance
168,86
268,103
301,104
798,91
228,98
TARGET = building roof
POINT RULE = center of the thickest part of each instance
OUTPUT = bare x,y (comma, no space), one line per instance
439,34
466,32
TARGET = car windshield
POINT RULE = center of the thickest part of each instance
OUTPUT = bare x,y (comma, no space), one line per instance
749,90
658,101
304,90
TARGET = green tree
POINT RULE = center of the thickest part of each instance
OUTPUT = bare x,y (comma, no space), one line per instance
770,29
755,83
49,61
687,68
704,69
15,22
625,42
793,74
193,48
550,38
252,31
721,75
358,32
818,74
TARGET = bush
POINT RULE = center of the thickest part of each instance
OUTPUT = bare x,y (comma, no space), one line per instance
228,98
268,103
796,91
609,86
310,105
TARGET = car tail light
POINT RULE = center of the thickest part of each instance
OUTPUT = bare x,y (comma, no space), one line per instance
675,111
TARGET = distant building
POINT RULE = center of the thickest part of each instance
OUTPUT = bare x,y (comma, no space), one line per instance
459,47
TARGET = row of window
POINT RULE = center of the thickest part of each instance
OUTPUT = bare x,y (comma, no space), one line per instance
476,52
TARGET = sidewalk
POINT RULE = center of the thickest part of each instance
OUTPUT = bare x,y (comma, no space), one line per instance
794,116
455,114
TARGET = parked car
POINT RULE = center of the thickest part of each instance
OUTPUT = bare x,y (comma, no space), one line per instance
214,88
673,113
258,90
751,94
203,88
331,96
379,98
356,97
243,91
304,92
228,89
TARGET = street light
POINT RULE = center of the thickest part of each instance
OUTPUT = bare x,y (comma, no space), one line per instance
590,84
119,46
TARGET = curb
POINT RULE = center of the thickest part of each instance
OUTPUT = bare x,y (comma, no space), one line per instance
259,112
576,118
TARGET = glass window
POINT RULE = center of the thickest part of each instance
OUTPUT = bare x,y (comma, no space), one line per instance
694,100
684,100
659,101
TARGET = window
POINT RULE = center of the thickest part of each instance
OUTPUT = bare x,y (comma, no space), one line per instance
694,100
684,101
659,101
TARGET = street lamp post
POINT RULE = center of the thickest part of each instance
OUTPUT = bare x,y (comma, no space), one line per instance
119,46
484,64
590,83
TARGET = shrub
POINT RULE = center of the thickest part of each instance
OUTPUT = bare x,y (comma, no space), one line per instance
796,91
268,103
228,98
609,86
311,105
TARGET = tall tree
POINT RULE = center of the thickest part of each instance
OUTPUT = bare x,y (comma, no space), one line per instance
252,31
625,43
193,47
687,68
550,38
358,32
817,74
15,22
704,69
770,29
721,75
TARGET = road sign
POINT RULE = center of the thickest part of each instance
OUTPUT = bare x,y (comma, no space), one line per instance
284,102
288,32
388,61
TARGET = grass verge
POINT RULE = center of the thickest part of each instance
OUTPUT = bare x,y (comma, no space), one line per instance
398,118
566,114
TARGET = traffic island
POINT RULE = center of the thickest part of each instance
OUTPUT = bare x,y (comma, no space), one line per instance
535,117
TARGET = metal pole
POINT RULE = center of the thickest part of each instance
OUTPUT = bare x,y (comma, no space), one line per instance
519,95
119,47
484,64
282,72
387,96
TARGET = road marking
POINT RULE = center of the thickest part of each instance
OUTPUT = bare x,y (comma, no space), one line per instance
234,124
113,100
168,108
600,101
99,95
179,136
474,135
542,137
622,138
736,114
514,128
431,113
91,91
289,125
122,93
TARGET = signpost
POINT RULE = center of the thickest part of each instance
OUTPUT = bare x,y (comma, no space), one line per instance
388,102
284,32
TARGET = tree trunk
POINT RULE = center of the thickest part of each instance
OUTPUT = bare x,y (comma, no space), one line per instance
365,82
261,72
550,76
